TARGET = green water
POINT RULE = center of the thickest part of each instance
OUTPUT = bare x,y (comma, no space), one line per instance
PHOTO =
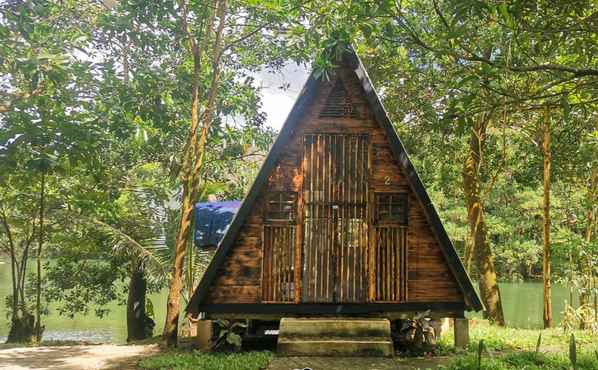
522,304
109,328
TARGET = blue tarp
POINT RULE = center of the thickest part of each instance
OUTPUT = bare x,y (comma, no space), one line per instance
212,220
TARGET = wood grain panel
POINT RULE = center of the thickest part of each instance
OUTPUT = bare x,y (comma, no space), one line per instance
234,294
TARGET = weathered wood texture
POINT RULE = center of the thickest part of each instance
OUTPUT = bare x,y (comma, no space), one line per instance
412,268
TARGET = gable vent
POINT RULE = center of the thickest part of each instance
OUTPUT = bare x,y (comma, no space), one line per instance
339,104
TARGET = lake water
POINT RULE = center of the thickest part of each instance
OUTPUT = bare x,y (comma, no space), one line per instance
522,305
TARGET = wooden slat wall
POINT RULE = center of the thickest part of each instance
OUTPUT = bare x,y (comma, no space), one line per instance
390,267
428,276
278,264
335,196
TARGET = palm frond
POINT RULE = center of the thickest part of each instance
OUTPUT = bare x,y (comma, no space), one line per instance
153,252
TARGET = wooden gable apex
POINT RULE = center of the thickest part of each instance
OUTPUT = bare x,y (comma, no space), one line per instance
305,99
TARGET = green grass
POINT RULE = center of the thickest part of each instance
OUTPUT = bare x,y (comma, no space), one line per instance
207,361
509,339
507,349
514,349
524,360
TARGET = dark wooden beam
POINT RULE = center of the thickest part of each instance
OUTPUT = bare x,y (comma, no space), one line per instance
332,309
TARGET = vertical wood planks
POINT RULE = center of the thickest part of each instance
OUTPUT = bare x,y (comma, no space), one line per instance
335,218
278,263
390,263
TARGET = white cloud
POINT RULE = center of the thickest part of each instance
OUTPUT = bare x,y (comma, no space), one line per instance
280,90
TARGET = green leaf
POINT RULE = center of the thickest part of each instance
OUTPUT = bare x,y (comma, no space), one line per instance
565,106
234,339
503,11
573,351
149,309
467,79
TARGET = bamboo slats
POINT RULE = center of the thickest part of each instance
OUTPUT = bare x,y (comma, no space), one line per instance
335,223
390,255
278,263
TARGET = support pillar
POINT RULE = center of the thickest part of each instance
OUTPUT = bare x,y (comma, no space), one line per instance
461,333
204,335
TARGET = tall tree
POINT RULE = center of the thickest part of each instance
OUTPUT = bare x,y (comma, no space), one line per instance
43,117
478,243
547,163
218,47
195,149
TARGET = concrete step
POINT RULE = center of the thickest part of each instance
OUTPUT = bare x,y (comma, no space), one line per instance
339,327
339,346
335,337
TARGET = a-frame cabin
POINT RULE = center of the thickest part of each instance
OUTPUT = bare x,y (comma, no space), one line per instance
337,221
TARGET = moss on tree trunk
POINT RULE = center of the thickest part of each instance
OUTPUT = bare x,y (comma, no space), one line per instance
478,248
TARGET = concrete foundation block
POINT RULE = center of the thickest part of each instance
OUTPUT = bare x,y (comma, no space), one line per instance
461,333
204,335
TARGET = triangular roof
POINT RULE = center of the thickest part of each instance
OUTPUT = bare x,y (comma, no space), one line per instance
400,154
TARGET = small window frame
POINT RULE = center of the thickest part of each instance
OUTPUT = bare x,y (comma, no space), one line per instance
281,207
391,208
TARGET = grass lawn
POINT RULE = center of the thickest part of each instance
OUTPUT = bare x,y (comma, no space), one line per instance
510,339
507,349
178,360
524,360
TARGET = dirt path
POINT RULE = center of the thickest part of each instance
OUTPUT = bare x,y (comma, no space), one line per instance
81,357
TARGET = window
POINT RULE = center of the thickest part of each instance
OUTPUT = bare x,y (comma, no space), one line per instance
392,208
281,206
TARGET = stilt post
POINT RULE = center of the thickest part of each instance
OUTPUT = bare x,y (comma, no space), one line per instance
461,333
204,335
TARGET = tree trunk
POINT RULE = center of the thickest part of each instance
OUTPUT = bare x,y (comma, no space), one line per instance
21,328
191,171
479,249
139,325
13,265
546,223
39,329
585,259
21,321
190,326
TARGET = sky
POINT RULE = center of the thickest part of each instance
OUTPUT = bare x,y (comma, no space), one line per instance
278,102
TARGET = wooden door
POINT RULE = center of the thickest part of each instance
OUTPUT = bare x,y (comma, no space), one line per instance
335,222
389,248
279,241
